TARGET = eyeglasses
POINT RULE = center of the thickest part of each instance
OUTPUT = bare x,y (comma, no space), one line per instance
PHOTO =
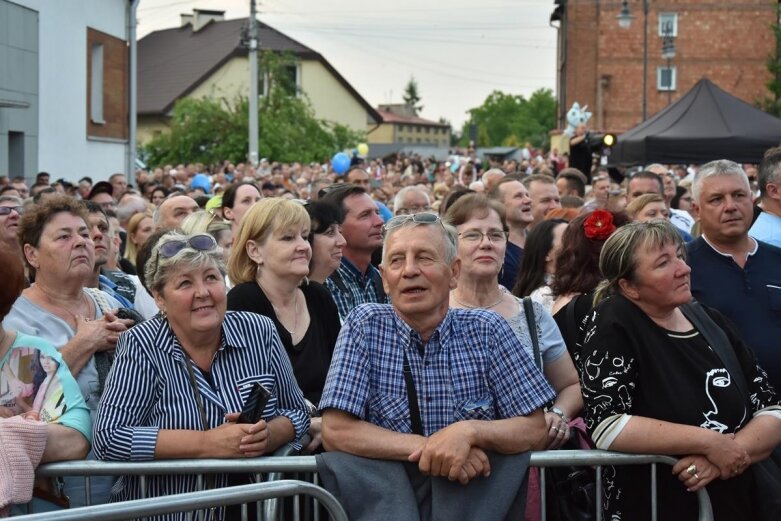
416,218
497,236
413,209
201,242
6,210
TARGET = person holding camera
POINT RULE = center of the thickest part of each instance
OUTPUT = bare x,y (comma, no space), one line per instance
580,151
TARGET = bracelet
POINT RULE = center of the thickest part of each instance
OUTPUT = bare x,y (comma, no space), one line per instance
558,412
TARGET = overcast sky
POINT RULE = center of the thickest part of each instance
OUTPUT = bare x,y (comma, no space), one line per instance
459,51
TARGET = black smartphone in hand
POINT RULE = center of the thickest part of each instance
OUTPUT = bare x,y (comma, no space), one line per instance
252,411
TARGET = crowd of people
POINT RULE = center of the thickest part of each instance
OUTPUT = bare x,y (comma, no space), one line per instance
405,320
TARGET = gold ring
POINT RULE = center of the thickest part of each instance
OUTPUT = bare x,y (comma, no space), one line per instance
692,469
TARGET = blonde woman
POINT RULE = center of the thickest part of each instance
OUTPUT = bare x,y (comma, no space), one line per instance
214,225
139,228
647,207
269,267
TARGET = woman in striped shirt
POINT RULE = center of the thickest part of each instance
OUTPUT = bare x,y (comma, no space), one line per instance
179,380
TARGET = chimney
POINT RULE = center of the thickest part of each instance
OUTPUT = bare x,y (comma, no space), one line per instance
200,17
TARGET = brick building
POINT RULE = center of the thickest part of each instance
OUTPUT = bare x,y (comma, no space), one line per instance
601,64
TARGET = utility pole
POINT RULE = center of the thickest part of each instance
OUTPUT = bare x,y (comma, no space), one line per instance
253,85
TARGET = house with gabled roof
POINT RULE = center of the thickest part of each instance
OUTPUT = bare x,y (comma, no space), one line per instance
205,57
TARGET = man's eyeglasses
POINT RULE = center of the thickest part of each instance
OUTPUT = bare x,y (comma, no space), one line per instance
416,218
413,210
200,242
6,210
475,236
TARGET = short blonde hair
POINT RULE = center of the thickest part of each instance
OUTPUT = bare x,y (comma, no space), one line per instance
260,221
640,202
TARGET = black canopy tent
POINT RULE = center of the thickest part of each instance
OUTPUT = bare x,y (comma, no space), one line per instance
705,124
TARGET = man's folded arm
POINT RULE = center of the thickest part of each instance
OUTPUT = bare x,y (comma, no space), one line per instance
345,432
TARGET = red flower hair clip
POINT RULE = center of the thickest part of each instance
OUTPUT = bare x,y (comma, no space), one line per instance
599,225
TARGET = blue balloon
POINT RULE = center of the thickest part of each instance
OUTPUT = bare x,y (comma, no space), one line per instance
340,162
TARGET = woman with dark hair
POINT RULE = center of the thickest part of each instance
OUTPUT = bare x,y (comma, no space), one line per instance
159,195
539,262
577,269
326,239
236,200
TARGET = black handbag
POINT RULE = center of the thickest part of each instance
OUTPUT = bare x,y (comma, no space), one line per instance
570,492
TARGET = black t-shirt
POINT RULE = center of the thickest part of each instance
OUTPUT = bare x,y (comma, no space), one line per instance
311,357
630,365
571,331
580,157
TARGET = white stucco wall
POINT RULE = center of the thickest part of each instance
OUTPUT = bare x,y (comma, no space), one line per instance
63,147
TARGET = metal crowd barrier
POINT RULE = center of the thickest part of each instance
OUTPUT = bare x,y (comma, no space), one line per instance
307,465
192,501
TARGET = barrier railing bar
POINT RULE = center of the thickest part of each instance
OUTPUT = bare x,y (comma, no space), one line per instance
653,493
543,496
87,490
196,501
599,492
308,464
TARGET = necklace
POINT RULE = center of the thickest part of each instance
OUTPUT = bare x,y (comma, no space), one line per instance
469,306
279,316
68,312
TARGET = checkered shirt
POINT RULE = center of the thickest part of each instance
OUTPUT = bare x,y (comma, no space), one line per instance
355,287
473,367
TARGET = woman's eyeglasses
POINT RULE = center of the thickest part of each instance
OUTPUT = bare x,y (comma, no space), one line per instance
6,210
201,242
417,218
497,236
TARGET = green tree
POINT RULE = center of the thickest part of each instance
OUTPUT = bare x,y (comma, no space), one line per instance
211,130
772,104
411,97
512,120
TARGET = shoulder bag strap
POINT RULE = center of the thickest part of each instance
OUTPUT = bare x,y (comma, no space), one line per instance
572,326
528,308
718,341
412,396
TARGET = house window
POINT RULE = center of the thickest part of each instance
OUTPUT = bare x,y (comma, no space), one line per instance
290,81
106,80
668,24
96,84
665,78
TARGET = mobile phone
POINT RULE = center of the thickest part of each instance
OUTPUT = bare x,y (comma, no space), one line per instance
252,411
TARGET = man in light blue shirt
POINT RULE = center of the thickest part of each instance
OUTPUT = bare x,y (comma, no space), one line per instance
767,227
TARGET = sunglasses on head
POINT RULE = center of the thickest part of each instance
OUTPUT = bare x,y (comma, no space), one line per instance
201,242
6,210
416,218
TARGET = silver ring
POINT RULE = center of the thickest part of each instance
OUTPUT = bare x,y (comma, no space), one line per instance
692,469
695,476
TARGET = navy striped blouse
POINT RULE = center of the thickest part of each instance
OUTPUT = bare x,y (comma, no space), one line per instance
148,389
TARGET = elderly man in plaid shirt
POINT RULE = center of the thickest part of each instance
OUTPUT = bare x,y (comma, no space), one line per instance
416,381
